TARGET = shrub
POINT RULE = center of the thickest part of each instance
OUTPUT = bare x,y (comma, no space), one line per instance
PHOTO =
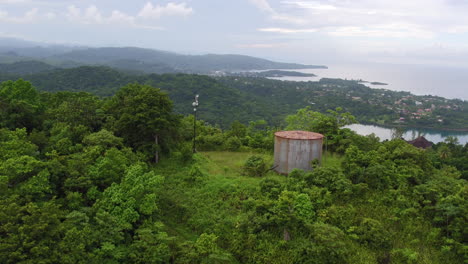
255,166
196,175
271,187
210,142
233,143
186,152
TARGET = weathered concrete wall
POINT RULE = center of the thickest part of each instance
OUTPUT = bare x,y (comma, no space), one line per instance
296,153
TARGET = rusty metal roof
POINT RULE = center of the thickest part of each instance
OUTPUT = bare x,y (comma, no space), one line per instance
297,134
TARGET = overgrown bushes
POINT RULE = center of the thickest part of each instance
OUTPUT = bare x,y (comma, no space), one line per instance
255,166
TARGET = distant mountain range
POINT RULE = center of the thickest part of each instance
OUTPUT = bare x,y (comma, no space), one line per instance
131,59
26,67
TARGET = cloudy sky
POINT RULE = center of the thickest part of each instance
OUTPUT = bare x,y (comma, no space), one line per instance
322,31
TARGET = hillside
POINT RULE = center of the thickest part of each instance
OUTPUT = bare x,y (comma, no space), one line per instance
225,99
33,49
179,62
25,67
134,59
220,104
114,180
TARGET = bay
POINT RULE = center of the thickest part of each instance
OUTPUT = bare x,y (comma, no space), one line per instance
448,82
432,135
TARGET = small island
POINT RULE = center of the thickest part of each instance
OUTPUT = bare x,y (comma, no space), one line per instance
378,83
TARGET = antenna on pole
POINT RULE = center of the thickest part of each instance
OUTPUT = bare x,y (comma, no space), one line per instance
195,105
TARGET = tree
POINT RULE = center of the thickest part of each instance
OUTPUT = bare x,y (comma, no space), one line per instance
19,105
74,109
306,119
327,124
144,118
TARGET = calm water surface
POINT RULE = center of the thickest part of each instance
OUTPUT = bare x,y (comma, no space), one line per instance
384,133
448,82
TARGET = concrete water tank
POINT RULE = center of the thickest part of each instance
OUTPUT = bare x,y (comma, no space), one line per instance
296,150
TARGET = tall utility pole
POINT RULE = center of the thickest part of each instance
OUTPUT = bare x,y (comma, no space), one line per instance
195,105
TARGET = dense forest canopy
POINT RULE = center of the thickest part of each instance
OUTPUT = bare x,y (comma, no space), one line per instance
84,180
226,99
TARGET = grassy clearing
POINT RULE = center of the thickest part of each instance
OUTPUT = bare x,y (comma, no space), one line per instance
219,195
196,206
230,162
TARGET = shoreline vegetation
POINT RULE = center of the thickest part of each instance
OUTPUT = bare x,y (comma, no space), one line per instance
372,83
270,74
409,127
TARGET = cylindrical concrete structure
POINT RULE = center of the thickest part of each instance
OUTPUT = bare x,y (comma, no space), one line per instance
296,150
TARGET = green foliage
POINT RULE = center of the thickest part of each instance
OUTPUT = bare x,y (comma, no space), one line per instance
306,119
405,255
143,117
328,245
74,109
29,231
15,143
255,166
303,208
231,98
19,105
196,175
133,197
75,188
330,178
150,245
372,233
184,152
233,143
326,124
270,187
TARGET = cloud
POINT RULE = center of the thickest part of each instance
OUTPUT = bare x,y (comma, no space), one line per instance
14,1
287,30
457,29
383,31
261,45
264,6
371,18
28,17
92,15
50,15
118,17
311,5
170,9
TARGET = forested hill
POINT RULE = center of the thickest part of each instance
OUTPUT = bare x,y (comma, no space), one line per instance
179,62
26,67
220,104
114,180
135,59
225,99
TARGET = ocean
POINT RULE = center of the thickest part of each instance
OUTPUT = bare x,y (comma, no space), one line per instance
448,82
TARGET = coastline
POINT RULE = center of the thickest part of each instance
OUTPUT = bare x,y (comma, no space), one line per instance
416,127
